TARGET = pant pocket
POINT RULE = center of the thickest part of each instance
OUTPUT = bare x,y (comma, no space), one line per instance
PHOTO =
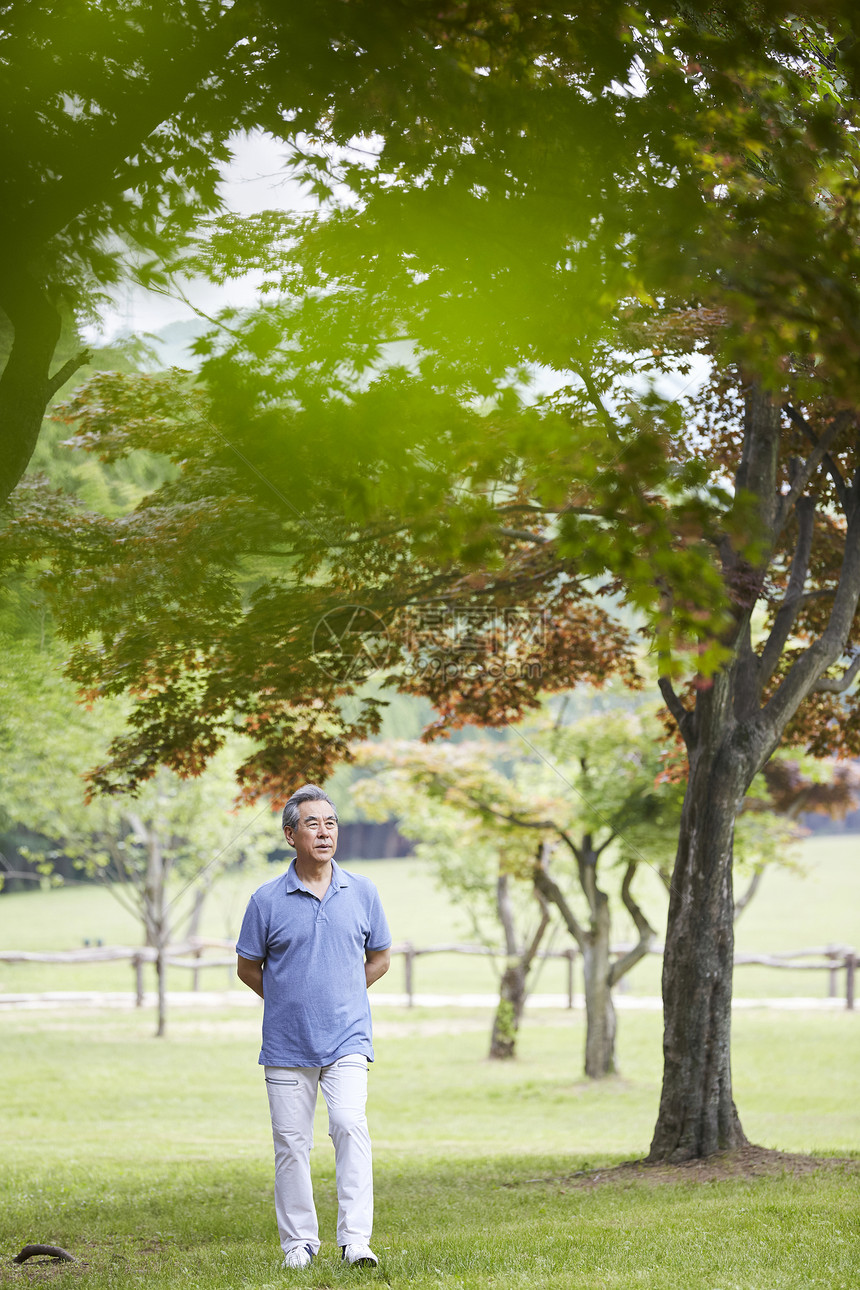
284,1104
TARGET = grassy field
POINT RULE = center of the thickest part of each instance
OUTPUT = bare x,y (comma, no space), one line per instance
789,912
150,1160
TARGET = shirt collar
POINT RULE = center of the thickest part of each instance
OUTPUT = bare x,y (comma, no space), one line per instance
293,882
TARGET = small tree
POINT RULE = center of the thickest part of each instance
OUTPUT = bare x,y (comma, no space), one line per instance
475,858
590,788
157,853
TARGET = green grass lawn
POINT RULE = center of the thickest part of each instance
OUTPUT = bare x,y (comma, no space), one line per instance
789,912
150,1160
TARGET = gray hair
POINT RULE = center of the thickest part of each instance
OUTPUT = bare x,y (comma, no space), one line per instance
308,793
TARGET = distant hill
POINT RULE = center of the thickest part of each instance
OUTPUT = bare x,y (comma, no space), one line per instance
171,343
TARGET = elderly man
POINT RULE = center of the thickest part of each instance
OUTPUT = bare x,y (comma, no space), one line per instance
312,941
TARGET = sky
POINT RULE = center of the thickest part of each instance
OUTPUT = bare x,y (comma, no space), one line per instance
255,181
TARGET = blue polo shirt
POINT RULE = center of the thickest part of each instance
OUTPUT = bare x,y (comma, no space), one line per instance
315,1004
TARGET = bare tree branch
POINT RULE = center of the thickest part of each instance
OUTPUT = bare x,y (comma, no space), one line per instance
58,380
588,877
506,914
551,890
646,932
808,597
742,901
534,945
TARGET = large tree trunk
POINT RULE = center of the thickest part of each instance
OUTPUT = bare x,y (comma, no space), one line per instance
25,384
737,722
697,1113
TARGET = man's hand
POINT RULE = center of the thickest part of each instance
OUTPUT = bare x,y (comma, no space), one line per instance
376,964
250,973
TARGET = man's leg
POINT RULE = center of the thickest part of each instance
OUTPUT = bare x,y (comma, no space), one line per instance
344,1086
292,1094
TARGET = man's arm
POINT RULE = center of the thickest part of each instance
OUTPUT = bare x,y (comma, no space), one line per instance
250,973
376,964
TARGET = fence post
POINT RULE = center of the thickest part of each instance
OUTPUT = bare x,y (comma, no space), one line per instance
408,958
850,966
138,980
836,957
570,955
195,974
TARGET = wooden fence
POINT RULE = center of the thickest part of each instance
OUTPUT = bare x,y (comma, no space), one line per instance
191,954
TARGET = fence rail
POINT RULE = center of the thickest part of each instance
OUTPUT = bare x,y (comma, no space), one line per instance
190,955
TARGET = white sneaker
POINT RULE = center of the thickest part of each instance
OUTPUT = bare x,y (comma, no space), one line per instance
361,1256
299,1257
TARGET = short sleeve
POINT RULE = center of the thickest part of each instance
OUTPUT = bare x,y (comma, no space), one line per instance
379,937
253,935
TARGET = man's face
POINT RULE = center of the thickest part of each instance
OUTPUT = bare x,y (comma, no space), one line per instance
315,835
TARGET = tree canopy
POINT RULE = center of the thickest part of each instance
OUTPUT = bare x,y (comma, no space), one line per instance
453,400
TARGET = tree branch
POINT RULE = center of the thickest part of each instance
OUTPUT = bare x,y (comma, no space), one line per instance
522,535
534,945
824,456
682,715
542,863
551,890
588,877
742,901
788,610
58,380
809,597
599,405
506,914
646,932
809,668
839,684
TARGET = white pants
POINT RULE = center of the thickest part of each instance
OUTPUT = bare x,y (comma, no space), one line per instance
292,1099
